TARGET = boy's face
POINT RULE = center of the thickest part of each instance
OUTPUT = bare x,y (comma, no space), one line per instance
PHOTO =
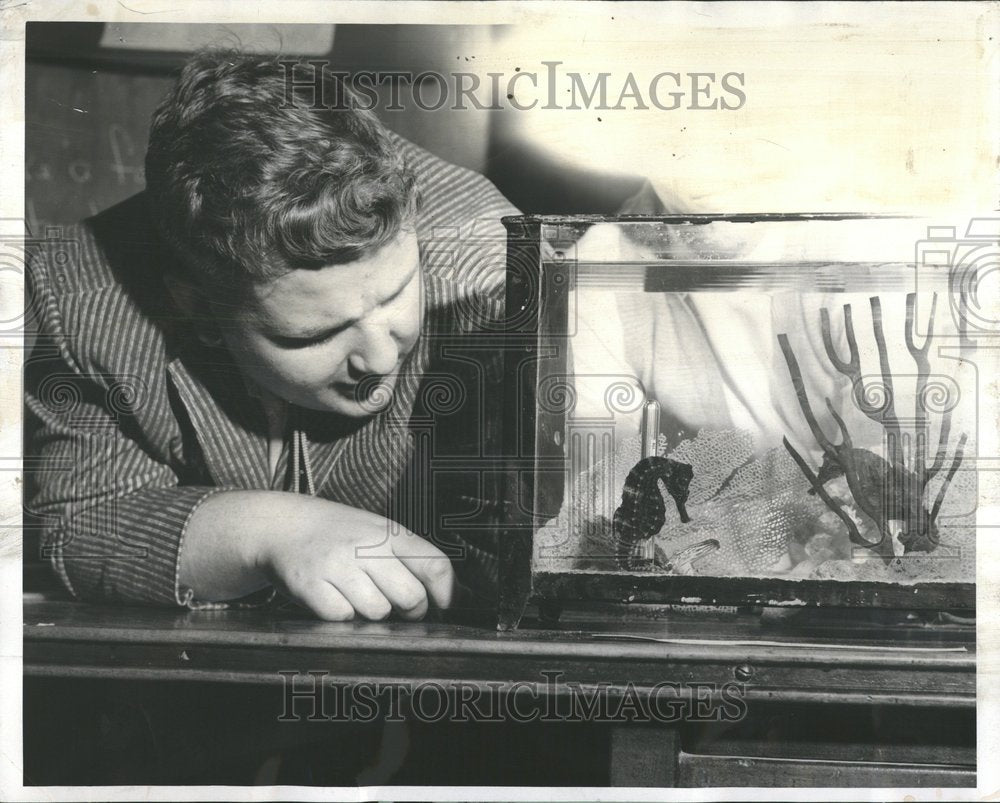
334,339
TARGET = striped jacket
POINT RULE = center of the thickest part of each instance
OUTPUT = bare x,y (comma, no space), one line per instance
137,422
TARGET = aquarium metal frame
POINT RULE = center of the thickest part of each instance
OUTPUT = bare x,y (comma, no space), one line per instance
537,295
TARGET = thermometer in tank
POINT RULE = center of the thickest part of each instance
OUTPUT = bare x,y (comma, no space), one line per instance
650,428
645,550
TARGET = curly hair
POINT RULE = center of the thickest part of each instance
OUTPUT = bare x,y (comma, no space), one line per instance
252,172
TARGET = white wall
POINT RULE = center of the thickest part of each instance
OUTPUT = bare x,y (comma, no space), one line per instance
850,107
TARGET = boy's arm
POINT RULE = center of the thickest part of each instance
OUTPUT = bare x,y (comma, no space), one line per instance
112,517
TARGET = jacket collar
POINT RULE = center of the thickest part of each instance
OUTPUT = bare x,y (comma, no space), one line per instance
230,425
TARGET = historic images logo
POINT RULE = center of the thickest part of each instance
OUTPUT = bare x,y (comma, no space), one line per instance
312,696
548,88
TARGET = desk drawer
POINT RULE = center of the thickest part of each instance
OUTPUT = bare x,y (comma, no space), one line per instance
834,745
708,770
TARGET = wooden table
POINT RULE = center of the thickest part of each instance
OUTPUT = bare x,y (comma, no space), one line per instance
827,663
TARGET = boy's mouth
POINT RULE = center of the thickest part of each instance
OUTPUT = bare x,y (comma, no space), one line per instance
372,389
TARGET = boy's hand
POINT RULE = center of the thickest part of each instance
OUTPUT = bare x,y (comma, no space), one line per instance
345,562
337,560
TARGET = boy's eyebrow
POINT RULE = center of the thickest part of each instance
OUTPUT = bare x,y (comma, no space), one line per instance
330,329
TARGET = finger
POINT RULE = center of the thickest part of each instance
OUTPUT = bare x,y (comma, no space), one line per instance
325,601
366,598
429,565
404,591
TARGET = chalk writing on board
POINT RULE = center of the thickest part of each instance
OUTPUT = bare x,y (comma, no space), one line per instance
122,151
79,171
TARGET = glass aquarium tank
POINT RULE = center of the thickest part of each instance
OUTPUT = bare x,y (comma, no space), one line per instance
736,410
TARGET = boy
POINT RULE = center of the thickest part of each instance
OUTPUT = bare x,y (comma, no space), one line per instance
271,315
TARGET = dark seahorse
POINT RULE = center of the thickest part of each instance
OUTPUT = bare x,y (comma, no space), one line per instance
642,514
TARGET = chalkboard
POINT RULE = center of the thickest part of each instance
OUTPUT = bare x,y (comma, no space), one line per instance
85,139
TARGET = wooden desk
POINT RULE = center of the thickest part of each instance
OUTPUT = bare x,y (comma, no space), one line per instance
832,666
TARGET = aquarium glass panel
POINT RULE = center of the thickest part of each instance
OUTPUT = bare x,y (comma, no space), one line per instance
783,398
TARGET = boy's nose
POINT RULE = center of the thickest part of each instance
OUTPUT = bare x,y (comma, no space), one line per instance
376,353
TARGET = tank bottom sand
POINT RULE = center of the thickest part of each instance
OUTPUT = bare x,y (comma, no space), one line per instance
759,510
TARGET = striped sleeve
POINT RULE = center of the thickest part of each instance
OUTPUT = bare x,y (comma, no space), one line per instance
113,517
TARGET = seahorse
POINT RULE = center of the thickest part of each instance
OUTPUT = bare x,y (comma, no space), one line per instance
642,514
